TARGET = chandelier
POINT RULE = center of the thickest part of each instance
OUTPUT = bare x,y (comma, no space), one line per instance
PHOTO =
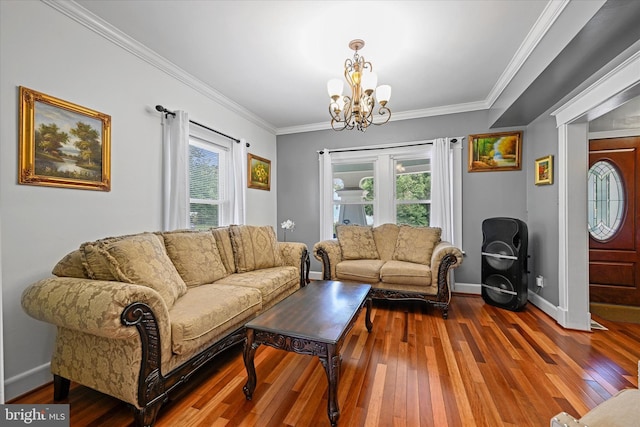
357,110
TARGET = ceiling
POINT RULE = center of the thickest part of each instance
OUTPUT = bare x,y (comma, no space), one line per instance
271,60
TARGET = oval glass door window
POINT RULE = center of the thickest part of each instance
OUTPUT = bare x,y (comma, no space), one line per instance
606,200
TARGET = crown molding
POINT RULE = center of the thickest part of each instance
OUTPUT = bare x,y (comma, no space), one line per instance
549,15
81,15
404,115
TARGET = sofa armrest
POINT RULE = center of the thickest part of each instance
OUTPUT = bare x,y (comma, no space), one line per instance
295,254
565,420
92,306
444,258
329,253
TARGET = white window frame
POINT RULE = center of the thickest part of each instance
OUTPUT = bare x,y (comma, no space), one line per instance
383,158
210,141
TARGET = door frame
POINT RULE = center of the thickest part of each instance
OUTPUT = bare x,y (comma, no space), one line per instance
572,120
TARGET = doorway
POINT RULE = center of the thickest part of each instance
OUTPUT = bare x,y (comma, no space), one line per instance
613,213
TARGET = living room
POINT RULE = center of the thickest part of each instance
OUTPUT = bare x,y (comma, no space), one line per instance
52,47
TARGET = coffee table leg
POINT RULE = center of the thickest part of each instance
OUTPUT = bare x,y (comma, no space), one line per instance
248,354
367,319
332,368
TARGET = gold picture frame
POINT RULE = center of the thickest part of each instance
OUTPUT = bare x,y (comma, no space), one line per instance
259,172
544,170
492,152
63,144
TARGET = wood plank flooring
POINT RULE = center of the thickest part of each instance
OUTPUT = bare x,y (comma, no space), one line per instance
483,366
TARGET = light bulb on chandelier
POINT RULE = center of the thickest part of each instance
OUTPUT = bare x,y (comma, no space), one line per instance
357,111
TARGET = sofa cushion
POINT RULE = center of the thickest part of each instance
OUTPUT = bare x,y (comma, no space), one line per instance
70,266
271,282
415,244
223,239
405,273
195,255
208,312
142,259
356,242
360,270
385,236
254,247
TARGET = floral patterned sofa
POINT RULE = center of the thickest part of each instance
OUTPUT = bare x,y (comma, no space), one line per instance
137,315
399,261
620,410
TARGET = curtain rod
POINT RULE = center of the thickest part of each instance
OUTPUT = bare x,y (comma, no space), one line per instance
161,109
338,150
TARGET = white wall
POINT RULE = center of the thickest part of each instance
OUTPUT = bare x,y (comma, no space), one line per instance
47,51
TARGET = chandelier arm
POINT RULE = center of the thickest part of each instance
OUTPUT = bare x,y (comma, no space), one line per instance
383,111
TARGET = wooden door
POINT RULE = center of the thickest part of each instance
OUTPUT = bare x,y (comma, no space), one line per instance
614,221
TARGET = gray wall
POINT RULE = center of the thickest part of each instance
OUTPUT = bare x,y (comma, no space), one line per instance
484,194
542,210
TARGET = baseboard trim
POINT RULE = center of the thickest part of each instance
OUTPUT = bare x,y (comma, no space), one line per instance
467,288
315,275
27,381
544,305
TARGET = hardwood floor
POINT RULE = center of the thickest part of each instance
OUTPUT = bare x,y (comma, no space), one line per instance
483,366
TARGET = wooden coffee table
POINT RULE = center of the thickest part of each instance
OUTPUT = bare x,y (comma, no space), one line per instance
314,320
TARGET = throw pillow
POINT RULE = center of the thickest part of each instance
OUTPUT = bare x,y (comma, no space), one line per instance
70,266
356,242
94,263
415,244
195,255
254,247
142,259
223,240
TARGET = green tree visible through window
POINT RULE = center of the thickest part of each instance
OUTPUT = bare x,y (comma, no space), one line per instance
409,187
204,187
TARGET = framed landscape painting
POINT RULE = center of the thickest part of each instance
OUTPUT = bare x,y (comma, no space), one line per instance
495,152
63,144
544,170
259,171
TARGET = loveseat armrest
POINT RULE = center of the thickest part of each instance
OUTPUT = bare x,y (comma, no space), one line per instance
92,306
444,258
295,254
565,420
329,253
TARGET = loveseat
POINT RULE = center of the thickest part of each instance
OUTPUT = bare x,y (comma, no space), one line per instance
400,262
620,410
137,315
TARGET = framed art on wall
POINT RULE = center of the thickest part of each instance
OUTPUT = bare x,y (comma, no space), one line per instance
259,170
63,144
544,170
493,152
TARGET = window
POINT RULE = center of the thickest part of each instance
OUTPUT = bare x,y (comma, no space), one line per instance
208,192
378,185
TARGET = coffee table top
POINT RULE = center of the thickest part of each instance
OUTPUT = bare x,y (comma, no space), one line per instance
320,311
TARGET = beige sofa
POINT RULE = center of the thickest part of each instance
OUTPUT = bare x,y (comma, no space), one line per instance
621,410
137,315
400,262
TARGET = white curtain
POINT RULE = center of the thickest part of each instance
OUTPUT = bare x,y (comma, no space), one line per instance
239,179
175,142
441,188
326,195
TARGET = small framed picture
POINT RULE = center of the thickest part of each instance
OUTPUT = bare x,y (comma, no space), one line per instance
259,171
493,152
544,170
63,144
